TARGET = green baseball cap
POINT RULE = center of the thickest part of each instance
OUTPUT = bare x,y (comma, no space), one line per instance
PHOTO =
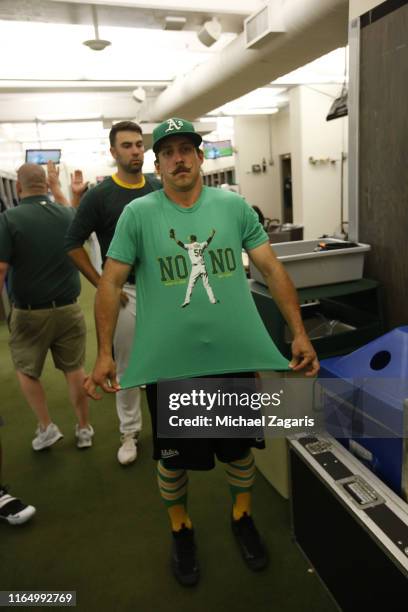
173,127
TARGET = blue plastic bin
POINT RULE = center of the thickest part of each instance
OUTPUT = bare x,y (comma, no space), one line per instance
365,400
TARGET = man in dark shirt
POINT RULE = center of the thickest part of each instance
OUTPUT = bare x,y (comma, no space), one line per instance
99,212
44,286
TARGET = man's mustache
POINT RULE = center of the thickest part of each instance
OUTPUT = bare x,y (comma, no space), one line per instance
180,169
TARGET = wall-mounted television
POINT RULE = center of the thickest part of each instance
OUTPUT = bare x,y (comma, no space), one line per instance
221,148
42,156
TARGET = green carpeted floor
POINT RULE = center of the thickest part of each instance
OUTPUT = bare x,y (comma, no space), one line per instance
101,529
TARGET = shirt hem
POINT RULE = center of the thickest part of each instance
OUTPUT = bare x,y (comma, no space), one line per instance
120,258
260,368
257,244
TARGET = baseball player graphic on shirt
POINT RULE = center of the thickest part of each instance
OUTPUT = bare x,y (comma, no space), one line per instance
198,270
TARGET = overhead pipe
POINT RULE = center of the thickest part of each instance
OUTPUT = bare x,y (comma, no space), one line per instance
313,28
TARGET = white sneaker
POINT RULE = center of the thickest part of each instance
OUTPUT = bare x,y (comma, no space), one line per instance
84,436
13,510
127,453
46,437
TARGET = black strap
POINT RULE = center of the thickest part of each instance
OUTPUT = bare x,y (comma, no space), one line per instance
44,306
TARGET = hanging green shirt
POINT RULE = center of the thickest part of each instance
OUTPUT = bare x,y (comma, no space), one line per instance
195,312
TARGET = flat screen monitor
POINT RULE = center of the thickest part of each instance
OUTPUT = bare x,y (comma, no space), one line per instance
42,156
221,148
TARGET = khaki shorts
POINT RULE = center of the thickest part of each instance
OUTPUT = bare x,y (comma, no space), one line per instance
34,332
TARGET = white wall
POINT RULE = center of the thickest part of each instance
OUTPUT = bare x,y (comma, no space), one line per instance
302,131
11,156
317,187
359,7
253,145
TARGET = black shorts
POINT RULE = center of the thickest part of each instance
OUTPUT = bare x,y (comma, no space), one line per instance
197,453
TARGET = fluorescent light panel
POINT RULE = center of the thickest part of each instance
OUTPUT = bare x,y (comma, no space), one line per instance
70,117
236,112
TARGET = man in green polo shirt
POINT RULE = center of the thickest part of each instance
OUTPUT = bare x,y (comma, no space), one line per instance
212,337
43,286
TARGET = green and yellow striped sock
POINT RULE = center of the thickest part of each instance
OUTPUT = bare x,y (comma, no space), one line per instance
173,490
241,477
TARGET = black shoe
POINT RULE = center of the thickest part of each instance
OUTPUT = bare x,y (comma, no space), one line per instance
12,509
253,551
183,557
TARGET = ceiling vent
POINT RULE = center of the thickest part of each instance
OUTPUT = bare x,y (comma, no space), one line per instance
174,24
264,25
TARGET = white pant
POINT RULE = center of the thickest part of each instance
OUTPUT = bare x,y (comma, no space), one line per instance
198,271
128,400
95,252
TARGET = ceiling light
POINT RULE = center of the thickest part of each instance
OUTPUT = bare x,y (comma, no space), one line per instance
250,111
210,32
61,118
139,94
96,44
174,23
206,119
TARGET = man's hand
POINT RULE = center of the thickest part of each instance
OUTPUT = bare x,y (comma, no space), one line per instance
53,175
172,233
104,376
78,185
124,298
304,356
54,184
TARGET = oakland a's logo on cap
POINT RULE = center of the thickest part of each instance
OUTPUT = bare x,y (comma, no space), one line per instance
174,124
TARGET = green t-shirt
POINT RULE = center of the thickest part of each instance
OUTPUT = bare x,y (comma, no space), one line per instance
31,241
219,330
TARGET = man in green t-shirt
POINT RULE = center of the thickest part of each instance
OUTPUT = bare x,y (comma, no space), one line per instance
225,337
